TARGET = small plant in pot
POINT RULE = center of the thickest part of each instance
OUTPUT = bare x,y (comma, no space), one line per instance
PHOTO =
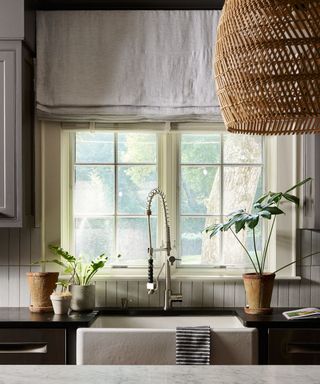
259,284
81,274
61,298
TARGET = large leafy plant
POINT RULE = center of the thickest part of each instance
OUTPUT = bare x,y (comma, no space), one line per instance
266,207
81,273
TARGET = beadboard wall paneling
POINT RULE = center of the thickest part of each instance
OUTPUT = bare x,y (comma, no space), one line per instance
19,248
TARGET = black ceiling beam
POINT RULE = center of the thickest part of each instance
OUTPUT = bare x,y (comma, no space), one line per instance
54,5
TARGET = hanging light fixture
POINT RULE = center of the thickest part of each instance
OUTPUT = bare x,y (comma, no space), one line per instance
267,66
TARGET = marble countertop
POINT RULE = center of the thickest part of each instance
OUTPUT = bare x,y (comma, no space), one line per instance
259,374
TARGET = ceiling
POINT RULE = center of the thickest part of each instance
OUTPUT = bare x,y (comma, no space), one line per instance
126,4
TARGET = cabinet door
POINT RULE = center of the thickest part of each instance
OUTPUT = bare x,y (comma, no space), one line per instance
32,346
12,19
294,346
10,134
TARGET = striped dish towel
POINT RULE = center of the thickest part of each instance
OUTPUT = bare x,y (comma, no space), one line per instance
193,345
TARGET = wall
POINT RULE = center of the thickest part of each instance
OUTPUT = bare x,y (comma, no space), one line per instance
20,247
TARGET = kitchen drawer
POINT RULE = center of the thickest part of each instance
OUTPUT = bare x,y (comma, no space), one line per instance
32,346
294,346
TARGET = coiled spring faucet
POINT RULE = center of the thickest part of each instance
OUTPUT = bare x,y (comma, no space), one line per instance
152,285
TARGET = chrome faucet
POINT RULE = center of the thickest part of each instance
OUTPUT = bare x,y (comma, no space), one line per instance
152,286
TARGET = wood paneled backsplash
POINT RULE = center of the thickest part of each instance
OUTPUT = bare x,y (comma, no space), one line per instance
19,248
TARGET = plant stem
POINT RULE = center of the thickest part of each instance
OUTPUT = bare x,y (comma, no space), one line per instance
265,250
255,251
292,262
252,262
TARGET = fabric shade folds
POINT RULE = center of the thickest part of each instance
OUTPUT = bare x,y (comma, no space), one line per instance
126,65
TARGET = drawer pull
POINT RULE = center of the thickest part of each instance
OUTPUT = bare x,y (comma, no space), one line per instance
23,348
303,348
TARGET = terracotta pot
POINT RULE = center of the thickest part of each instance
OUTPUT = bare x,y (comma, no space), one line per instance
41,285
258,292
83,297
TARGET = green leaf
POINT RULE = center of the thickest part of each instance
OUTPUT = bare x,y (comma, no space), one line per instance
292,198
234,213
230,223
262,198
61,252
265,214
275,197
210,228
274,210
253,222
240,224
216,229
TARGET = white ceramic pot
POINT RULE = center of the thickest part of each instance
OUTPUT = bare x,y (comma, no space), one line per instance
61,304
83,297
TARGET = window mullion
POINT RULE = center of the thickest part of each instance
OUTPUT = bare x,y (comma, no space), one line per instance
173,182
222,258
162,183
115,235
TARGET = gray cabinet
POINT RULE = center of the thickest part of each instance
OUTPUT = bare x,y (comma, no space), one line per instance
10,134
12,19
32,346
16,132
17,44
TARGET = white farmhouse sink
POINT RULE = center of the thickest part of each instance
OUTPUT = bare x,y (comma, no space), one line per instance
148,340
166,322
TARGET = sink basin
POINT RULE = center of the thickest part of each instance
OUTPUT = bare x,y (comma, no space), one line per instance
166,322
150,340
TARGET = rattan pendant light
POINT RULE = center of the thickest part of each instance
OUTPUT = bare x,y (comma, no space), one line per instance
267,66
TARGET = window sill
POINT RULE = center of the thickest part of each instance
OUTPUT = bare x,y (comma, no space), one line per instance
181,277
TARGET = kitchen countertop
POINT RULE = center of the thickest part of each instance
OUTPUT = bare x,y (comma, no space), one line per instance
50,374
22,317
276,320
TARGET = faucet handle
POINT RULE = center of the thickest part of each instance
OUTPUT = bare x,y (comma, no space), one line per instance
172,259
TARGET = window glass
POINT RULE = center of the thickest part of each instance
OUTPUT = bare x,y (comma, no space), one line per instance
230,178
113,174
94,147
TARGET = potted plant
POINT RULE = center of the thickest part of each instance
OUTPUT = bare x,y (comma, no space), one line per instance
259,284
81,274
61,298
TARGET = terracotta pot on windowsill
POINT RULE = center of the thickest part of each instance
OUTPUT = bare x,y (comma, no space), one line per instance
258,292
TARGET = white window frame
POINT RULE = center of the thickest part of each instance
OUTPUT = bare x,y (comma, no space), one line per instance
55,216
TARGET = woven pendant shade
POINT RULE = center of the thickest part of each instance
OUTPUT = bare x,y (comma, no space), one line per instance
267,66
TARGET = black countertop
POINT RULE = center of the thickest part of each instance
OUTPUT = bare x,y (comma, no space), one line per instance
276,320
23,318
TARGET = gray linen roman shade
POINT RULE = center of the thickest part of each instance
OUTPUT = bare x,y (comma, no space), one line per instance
126,65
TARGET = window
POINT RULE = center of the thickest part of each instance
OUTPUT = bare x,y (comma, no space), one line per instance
113,174
96,187
218,174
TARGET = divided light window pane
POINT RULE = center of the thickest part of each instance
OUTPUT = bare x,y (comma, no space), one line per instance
113,174
218,173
